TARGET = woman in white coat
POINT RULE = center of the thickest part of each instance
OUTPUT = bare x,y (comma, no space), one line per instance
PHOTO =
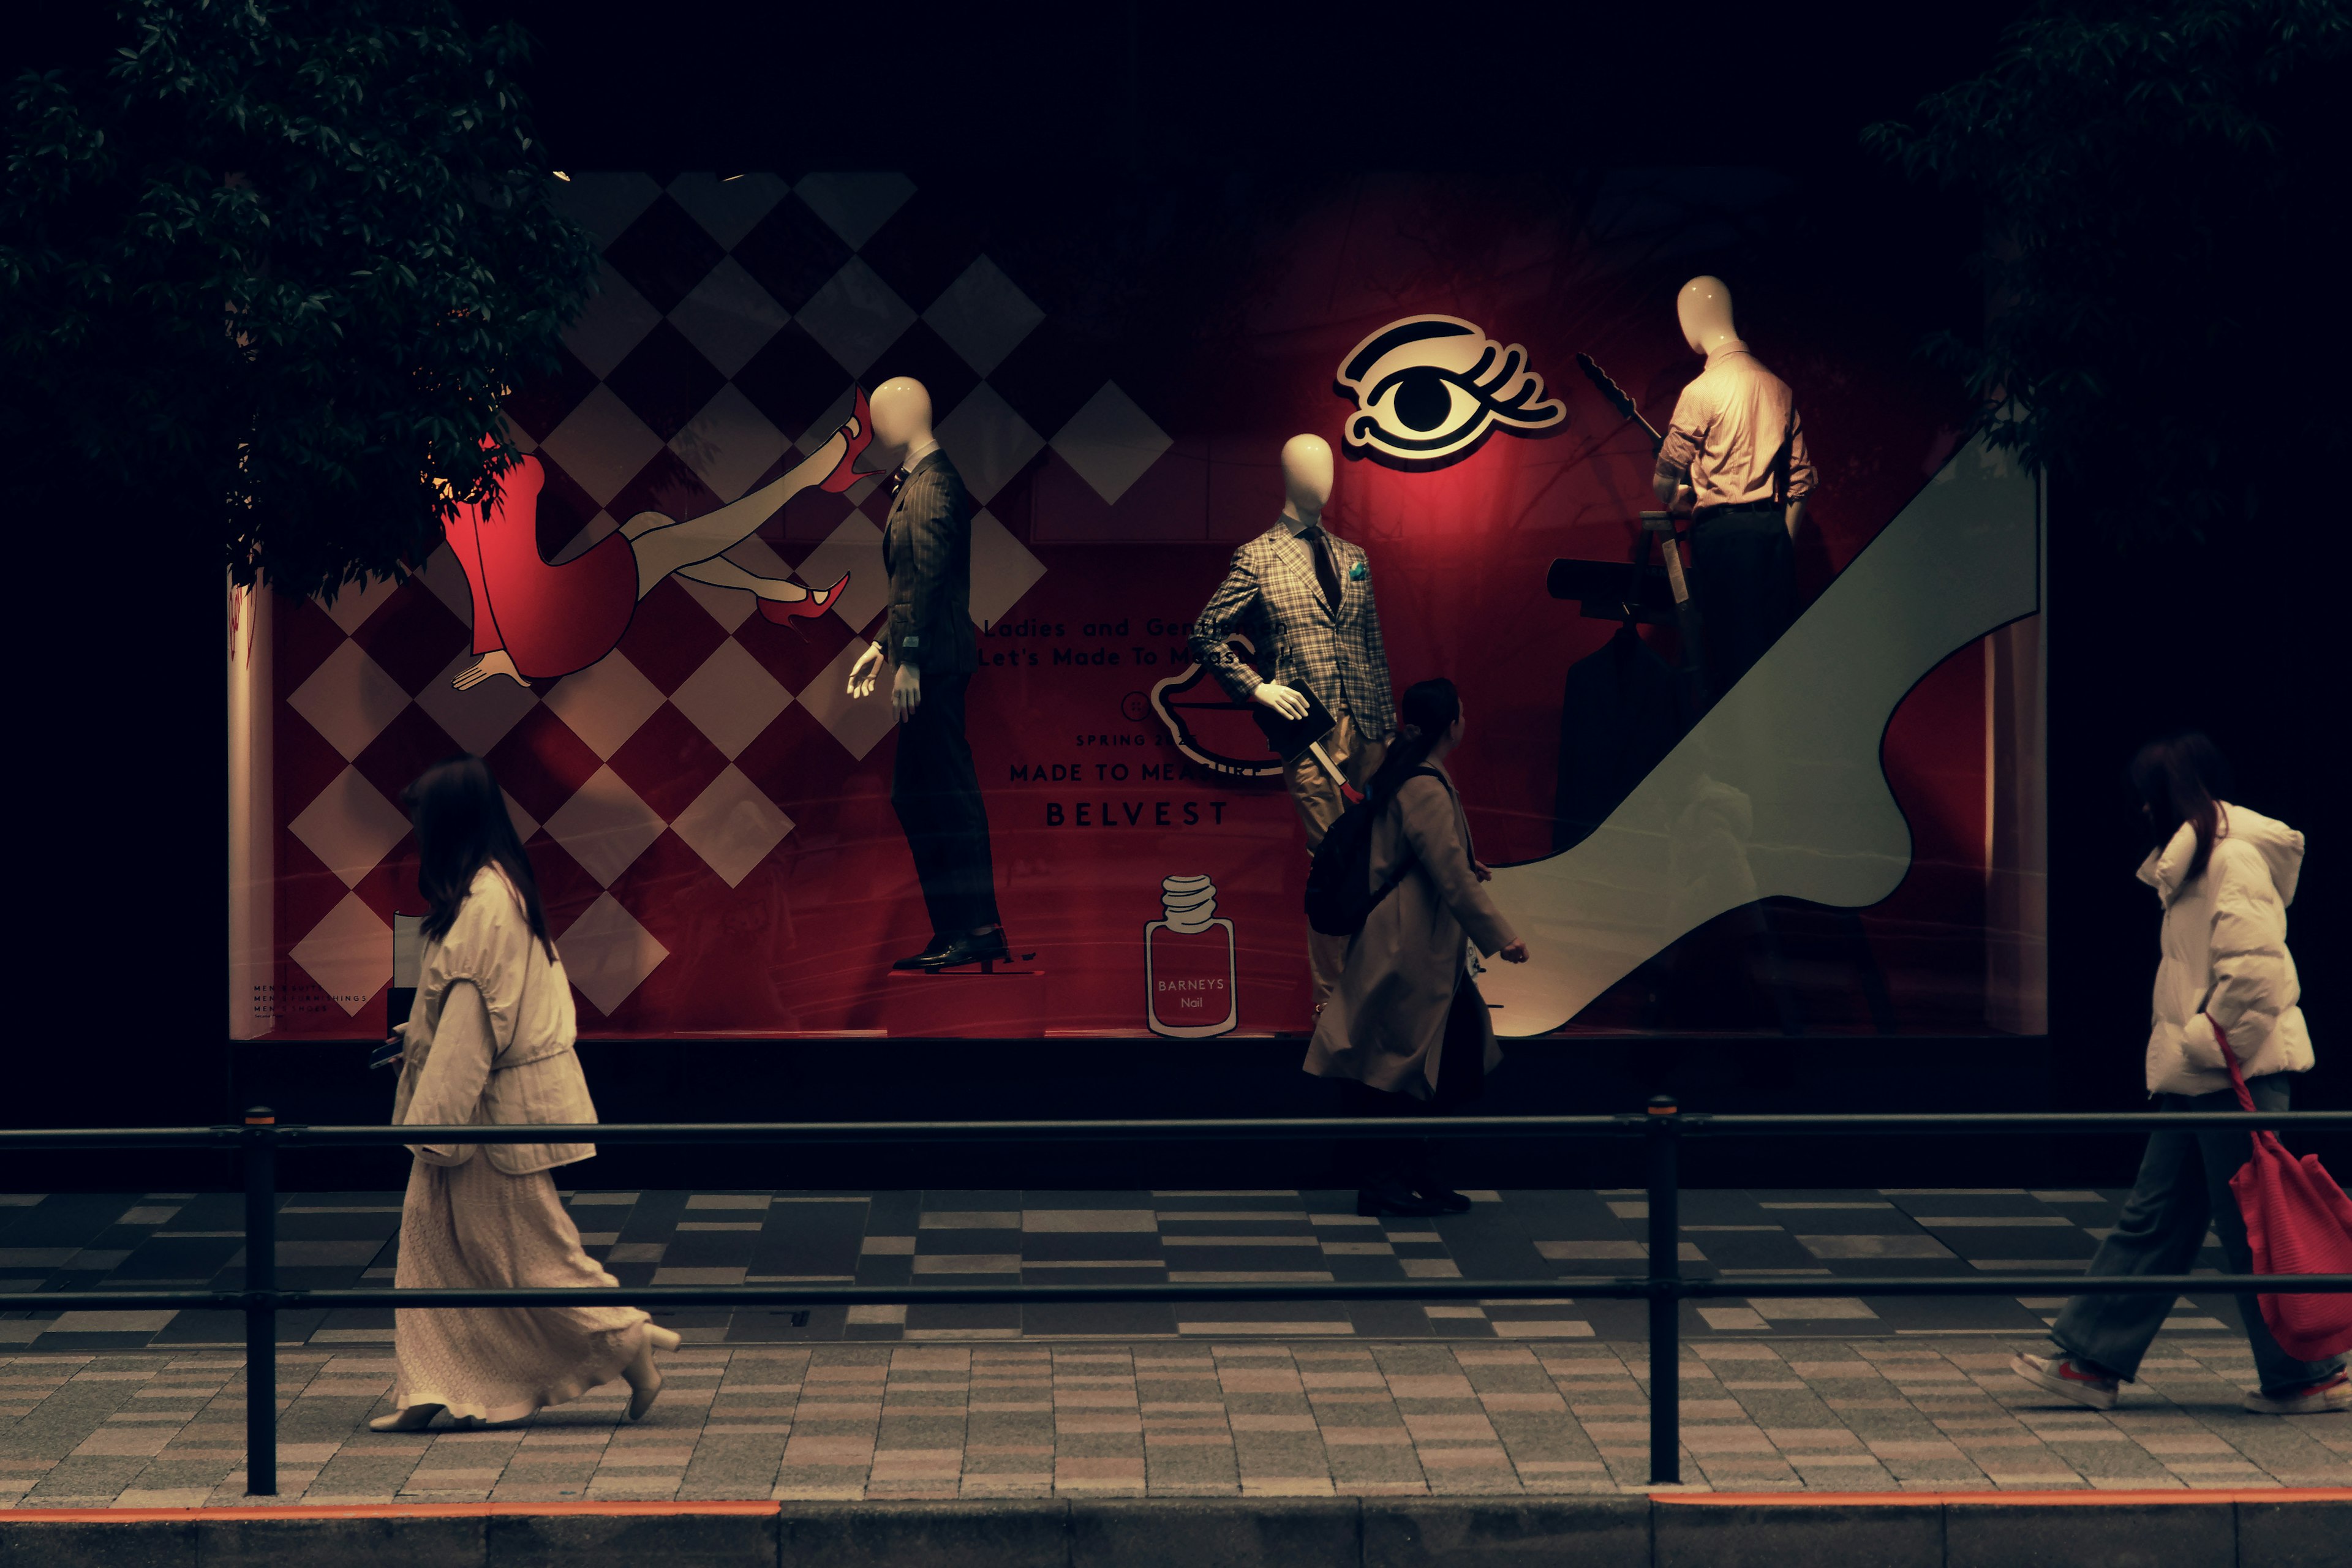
2225,876
489,1040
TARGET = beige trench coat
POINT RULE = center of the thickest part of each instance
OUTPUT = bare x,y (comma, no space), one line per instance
1385,1023
489,1038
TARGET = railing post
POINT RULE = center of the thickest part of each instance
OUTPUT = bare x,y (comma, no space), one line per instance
259,1148
1665,1295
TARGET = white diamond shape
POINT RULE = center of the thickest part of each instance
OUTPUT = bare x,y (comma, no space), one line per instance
591,534
983,315
349,699
605,203
479,718
728,209
731,824
855,547
1001,569
605,702
448,580
605,826
988,442
349,953
350,826
857,723
731,699
729,316
524,824
729,444
355,601
601,444
1110,442
518,435
730,608
607,954
855,316
615,321
854,205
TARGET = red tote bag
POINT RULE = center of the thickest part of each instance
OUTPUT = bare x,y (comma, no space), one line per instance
2298,1221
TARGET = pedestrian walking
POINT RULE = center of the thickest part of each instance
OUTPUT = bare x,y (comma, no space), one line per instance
1405,1031
2224,876
489,1040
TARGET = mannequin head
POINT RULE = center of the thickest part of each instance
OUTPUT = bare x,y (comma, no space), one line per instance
1306,478
902,414
1705,309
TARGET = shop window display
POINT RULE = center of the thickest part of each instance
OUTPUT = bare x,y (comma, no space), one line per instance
1217,497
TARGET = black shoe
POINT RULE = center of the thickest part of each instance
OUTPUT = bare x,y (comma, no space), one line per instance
930,957
1448,1200
963,950
1395,1197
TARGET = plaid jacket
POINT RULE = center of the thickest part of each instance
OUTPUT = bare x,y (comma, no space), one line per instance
926,549
1271,596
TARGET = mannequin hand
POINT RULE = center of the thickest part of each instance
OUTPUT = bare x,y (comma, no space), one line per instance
906,691
1479,870
1513,953
1282,699
862,673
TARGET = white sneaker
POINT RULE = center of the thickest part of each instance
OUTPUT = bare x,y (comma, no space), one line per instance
2318,1399
2067,1378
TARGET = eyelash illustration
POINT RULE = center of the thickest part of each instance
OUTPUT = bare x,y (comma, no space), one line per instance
1429,390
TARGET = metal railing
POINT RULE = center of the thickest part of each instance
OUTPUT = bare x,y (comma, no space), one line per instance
1662,1129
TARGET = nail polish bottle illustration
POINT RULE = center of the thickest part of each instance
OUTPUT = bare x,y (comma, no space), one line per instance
1188,962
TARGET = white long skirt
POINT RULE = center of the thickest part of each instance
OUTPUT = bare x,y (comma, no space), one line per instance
474,1226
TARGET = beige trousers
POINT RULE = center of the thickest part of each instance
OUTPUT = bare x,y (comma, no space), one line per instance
1316,795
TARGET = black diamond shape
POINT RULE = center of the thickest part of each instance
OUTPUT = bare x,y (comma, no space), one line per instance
665,381
792,253
924,355
547,396
664,253
925,246
1050,375
792,380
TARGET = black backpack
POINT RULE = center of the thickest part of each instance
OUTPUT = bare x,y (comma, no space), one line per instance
1339,893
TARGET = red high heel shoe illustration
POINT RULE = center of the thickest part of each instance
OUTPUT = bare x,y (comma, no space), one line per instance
860,428
782,611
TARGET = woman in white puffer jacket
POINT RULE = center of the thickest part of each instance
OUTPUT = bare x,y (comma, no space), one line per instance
2225,876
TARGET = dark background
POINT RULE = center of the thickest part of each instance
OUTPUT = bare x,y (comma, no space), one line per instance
122,769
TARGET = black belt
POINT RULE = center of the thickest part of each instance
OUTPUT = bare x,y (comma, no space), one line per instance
1705,512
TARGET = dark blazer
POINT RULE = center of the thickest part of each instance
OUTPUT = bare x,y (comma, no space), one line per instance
926,549
1271,596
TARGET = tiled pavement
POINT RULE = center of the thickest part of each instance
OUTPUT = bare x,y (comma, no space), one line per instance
189,1241
870,1421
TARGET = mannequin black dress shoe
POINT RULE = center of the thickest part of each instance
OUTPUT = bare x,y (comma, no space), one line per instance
930,957
966,950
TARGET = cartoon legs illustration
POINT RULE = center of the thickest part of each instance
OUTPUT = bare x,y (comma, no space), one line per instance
536,620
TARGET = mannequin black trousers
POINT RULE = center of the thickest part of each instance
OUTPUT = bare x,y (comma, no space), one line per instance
1744,582
936,793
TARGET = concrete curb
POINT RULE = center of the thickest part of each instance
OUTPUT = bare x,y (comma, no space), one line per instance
2269,1529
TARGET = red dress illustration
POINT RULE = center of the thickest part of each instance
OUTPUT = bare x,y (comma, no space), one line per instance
535,619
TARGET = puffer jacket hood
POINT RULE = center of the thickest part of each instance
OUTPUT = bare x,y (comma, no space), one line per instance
2226,972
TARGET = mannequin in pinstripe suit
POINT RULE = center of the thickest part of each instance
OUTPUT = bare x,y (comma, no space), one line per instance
1306,595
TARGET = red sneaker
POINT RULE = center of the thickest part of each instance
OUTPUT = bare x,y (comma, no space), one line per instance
2316,1399
2067,1378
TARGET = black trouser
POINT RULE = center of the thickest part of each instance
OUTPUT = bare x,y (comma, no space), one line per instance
937,795
1744,581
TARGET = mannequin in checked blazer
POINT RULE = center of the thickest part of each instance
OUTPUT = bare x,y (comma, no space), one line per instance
1318,619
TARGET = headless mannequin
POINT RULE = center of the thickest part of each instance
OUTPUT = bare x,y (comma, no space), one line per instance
902,422
1704,308
1306,488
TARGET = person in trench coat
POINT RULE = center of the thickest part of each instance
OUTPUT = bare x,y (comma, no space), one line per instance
1406,1029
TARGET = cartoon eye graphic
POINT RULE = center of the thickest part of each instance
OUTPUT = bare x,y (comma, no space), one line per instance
1429,389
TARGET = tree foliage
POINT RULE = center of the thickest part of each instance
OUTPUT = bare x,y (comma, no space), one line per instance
2156,178
270,272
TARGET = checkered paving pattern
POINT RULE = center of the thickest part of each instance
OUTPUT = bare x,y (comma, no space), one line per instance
735,316
181,1241
1215,1419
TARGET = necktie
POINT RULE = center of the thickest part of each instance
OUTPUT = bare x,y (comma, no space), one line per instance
898,477
1325,575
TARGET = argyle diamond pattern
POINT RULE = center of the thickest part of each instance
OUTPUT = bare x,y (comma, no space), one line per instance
733,317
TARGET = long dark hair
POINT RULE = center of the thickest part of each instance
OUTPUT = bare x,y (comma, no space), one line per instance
2178,779
1428,711
461,826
